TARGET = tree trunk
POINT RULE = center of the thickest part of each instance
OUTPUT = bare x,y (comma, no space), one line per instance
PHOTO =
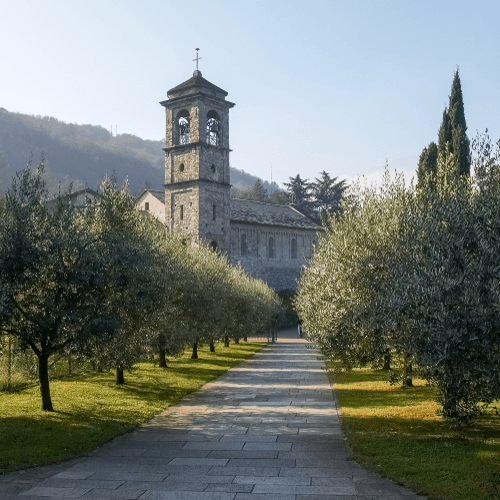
163,359
120,379
236,341
43,377
9,366
387,362
407,377
212,347
69,363
226,341
245,338
195,351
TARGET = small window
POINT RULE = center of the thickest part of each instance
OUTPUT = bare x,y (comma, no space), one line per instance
243,245
182,212
213,168
146,205
272,250
181,167
294,248
214,246
213,212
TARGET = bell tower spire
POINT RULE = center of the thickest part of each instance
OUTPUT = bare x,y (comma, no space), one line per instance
197,188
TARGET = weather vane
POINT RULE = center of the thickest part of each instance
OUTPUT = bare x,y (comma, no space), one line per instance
197,59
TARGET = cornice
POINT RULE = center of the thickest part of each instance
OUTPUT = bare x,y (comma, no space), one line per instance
190,145
185,184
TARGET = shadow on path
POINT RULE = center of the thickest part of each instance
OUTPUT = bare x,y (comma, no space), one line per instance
266,429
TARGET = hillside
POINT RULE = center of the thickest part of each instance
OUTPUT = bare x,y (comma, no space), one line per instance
85,154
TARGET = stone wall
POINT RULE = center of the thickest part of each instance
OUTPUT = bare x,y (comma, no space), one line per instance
182,210
214,215
279,270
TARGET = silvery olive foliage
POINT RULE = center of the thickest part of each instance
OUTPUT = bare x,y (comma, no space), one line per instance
339,295
52,278
109,283
416,272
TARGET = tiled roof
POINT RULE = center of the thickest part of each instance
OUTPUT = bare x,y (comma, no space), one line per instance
269,214
196,81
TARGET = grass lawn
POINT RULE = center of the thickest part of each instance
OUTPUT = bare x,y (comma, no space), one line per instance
91,408
396,432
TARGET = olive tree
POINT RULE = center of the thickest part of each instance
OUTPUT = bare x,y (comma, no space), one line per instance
450,284
339,297
52,278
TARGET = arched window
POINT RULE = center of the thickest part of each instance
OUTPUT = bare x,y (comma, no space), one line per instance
243,245
294,248
272,250
181,167
213,168
184,126
213,128
213,246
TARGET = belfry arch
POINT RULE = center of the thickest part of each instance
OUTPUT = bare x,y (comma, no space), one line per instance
197,162
213,128
183,126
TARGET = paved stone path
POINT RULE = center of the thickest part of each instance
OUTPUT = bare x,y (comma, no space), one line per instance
267,429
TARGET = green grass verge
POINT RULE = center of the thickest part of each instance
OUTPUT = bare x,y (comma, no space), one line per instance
91,408
396,432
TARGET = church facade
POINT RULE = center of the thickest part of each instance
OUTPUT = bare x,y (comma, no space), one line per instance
271,242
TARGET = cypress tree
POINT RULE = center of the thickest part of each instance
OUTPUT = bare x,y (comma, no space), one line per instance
445,133
427,163
452,132
460,142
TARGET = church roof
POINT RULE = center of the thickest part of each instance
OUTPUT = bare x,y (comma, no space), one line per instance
196,81
160,195
157,193
269,214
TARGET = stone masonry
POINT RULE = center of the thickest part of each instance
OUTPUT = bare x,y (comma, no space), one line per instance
271,242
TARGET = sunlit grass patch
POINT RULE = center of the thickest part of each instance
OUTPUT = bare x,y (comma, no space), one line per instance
91,408
396,431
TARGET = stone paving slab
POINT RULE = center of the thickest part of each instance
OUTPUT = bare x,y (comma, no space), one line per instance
268,429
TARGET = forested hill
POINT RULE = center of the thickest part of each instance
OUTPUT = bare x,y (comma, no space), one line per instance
84,154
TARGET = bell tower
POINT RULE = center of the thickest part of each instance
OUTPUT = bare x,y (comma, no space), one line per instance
197,188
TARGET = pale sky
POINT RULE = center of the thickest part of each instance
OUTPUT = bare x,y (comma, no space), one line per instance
320,85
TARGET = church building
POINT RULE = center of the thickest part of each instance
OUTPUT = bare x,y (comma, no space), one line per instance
272,242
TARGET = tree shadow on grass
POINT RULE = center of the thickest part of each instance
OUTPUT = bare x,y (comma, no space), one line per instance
359,398
429,456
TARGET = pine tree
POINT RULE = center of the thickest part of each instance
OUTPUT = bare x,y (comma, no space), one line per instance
300,194
327,193
259,192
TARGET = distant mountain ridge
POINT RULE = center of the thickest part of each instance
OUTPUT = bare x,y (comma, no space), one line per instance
85,154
